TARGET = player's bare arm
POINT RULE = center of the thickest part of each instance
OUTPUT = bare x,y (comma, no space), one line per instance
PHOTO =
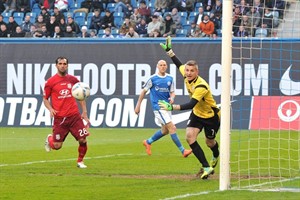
49,107
139,102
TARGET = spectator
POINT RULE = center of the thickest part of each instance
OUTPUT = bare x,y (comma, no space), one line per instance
186,5
32,32
199,17
39,23
244,7
259,7
57,32
62,25
85,7
45,14
11,25
61,5
193,31
3,31
26,24
1,20
170,5
47,4
51,25
107,33
93,33
156,33
236,19
11,6
153,25
207,27
107,21
242,32
2,6
144,11
18,33
208,5
142,28
74,25
267,21
176,18
217,7
168,27
131,33
217,20
58,14
95,20
97,5
43,33
23,6
120,6
247,26
135,17
126,25
69,32
254,18
160,6
84,33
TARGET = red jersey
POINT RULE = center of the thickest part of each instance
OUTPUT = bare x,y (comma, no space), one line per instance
59,89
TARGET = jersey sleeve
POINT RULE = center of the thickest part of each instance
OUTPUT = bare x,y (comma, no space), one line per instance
147,85
181,69
47,90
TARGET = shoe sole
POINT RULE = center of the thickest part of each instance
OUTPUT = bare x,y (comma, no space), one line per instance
207,175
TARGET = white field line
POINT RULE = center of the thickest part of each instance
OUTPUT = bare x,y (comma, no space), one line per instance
248,188
62,160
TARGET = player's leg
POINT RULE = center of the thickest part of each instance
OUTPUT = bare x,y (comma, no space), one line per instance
59,133
157,135
172,130
212,126
80,132
194,127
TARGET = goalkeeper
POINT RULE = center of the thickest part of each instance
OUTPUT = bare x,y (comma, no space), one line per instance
205,114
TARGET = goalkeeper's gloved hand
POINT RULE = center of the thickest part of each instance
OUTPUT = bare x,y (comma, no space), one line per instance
165,105
168,47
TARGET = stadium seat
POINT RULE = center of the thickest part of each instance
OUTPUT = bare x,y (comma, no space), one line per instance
111,7
101,32
183,17
19,16
115,32
118,19
6,16
181,33
192,16
187,25
79,17
36,9
32,16
73,7
89,18
197,5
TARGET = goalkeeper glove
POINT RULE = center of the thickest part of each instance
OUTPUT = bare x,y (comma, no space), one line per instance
165,105
168,47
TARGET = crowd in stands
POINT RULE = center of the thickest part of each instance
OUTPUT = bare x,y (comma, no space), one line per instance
136,18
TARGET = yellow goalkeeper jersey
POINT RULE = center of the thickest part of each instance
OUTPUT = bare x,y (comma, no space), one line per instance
200,90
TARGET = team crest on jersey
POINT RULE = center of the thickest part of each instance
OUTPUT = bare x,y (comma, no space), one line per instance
169,83
69,85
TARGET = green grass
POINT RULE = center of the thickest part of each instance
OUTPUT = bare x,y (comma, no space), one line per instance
118,168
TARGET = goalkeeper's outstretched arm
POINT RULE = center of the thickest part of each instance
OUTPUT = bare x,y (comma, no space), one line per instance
168,48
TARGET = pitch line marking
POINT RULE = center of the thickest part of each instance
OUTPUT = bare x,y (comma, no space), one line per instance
62,160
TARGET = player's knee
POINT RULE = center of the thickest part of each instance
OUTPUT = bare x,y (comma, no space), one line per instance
57,146
82,141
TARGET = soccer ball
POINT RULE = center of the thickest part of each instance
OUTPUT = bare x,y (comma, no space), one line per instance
81,91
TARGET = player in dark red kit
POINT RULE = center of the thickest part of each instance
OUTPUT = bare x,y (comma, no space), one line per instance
64,109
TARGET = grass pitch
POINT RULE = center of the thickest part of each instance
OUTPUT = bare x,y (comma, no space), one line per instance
118,168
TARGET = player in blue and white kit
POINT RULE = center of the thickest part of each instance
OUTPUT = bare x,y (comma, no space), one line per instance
161,87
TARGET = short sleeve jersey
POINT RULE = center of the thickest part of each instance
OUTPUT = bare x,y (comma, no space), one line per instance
160,88
199,89
59,89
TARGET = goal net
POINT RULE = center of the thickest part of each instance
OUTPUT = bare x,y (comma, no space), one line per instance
266,154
